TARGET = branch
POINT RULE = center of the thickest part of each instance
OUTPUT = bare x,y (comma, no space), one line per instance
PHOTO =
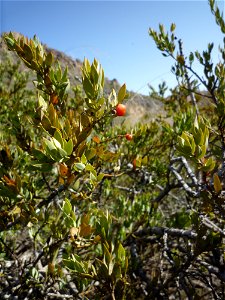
193,99
45,202
183,183
60,296
129,190
212,270
138,263
161,231
51,197
171,186
187,167
208,223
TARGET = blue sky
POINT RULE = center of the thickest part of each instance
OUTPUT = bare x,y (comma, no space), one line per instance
116,33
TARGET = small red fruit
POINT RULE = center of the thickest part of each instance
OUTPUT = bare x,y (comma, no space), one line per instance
120,110
128,136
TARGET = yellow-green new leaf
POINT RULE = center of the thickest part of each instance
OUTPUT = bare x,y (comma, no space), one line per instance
49,59
67,207
48,144
68,147
209,165
42,103
122,93
58,137
217,183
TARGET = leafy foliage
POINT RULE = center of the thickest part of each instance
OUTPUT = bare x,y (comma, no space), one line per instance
87,213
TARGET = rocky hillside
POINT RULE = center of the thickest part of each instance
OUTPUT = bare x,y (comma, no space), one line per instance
140,108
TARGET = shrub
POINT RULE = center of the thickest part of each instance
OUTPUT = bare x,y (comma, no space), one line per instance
88,214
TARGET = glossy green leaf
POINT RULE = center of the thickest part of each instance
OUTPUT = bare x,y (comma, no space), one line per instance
49,59
67,207
79,166
49,144
68,147
122,93
58,137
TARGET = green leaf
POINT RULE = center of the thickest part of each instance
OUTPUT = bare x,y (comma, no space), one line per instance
94,74
121,254
34,65
39,155
88,88
58,137
49,59
59,73
90,153
64,77
41,167
101,77
217,183
45,122
200,151
62,153
198,136
101,101
100,176
56,143
83,159
74,265
42,103
116,273
89,167
122,93
79,166
68,147
84,120
209,165
102,269
191,57
58,154
67,207
86,65
28,52
48,145
93,177
172,27
107,254
10,42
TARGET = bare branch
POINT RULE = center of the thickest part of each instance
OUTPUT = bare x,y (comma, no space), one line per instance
183,183
61,296
170,231
187,167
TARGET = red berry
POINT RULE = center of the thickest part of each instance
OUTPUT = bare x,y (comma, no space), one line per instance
120,110
128,136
